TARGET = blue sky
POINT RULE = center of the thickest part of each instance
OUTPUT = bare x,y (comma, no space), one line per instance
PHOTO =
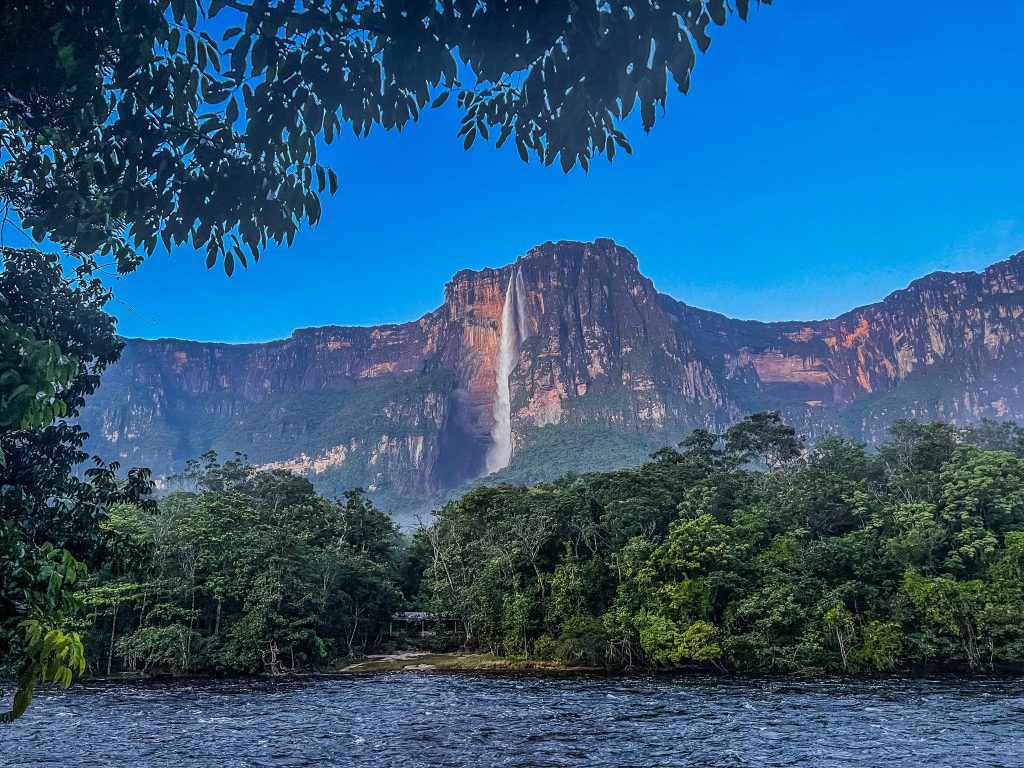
829,152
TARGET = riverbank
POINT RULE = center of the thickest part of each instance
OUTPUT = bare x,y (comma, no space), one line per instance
423,661
468,662
462,661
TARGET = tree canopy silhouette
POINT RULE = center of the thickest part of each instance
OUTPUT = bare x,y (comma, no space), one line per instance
129,123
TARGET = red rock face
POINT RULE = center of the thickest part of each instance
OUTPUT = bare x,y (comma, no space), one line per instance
468,346
409,408
948,346
598,329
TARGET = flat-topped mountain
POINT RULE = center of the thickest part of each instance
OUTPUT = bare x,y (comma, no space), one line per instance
567,359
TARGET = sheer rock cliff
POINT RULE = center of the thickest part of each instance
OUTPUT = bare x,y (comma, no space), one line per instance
606,369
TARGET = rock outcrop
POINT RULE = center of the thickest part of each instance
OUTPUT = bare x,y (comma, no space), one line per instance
603,368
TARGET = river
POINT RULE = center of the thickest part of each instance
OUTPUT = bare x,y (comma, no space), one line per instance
423,719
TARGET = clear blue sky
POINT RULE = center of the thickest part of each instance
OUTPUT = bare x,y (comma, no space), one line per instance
829,152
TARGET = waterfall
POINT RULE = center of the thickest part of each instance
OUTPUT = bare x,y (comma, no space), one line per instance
513,331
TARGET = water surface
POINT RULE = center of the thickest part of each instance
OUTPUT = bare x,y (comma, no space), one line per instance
413,719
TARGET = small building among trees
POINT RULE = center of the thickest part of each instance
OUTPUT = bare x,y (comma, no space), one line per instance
412,625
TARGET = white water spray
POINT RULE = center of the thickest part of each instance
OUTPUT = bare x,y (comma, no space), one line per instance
513,331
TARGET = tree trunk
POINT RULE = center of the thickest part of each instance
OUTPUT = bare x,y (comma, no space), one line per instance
275,663
355,631
191,626
113,631
840,636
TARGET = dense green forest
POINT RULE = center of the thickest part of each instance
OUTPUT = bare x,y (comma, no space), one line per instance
745,552
241,571
739,552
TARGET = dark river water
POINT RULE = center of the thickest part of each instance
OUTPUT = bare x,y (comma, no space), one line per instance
415,719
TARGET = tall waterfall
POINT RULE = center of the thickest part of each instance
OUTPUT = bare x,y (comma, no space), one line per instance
513,331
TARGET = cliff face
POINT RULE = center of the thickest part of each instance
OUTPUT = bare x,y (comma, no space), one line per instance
600,369
949,346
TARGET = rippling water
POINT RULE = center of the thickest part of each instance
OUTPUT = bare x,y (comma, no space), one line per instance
475,720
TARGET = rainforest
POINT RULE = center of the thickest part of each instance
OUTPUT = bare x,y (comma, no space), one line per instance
740,552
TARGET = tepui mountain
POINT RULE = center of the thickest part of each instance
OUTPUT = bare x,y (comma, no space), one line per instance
567,359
